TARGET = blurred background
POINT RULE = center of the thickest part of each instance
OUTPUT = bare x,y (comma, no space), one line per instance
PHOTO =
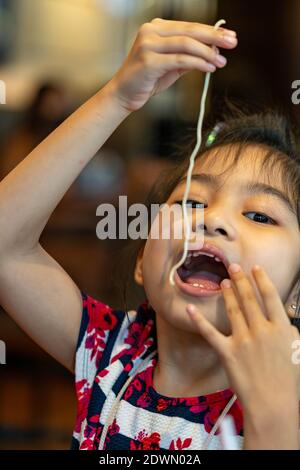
54,54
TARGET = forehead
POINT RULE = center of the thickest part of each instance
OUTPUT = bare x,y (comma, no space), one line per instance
232,163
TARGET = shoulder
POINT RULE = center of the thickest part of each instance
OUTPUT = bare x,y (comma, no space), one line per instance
106,333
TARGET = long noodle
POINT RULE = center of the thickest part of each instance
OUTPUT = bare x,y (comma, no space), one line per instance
187,231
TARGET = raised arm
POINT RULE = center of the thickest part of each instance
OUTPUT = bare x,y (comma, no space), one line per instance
34,289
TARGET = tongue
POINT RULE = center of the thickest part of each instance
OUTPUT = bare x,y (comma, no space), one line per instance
204,279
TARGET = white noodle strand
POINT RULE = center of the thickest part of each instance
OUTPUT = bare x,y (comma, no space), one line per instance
187,231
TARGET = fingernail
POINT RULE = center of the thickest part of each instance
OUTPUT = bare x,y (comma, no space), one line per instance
234,268
221,60
230,32
226,283
231,40
256,267
191,309
211,67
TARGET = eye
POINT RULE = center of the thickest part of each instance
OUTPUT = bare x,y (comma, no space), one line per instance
192,203
261,218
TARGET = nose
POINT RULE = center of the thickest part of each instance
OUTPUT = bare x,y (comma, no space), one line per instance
216,222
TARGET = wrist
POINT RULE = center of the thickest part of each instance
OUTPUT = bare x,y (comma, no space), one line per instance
109,97
272,428
111,90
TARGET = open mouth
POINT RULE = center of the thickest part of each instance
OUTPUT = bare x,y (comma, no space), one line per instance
202,271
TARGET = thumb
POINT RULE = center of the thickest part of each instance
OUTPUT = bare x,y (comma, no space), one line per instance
168,80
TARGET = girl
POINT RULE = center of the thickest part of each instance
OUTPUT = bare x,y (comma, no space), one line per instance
165,378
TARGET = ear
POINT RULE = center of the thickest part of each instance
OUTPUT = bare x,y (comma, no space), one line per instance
138,270
292,299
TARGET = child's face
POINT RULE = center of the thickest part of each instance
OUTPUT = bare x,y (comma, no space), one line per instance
231,223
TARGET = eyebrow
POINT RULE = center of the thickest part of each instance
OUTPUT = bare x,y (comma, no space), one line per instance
248,187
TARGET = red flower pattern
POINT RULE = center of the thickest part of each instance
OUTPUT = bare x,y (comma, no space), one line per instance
179,445
83,392
101,320
146,442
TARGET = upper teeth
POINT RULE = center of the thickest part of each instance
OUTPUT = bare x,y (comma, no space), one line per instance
198,253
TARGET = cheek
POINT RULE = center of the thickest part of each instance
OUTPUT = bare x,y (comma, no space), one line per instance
279,261
155,261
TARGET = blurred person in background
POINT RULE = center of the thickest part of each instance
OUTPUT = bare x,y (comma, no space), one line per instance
49,108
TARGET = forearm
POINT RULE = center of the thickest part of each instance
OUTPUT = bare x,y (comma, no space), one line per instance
272,429
32,190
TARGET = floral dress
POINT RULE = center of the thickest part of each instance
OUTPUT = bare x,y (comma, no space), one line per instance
111,345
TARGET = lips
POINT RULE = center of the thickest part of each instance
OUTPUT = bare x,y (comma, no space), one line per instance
203,270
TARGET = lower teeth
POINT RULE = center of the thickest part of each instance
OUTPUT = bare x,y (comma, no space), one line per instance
197,285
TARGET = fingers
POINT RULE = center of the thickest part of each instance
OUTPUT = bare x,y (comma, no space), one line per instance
208,34
207,330
237,320
187,45
270,296
169,62
246,295
183,45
